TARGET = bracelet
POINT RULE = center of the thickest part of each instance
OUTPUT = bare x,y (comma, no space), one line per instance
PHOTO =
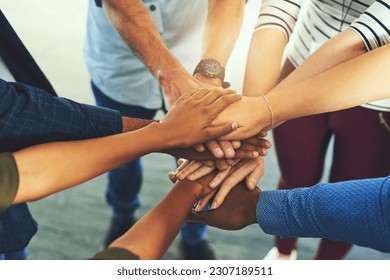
270,110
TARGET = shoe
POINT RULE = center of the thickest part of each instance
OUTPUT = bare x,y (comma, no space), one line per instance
117,229
274,252
198,251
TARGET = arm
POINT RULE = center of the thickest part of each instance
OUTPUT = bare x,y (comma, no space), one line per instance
41,168
272,32
354,82
223,25
31,116
135,25
152,235
352,211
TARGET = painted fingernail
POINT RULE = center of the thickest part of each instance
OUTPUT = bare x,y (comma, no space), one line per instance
234,125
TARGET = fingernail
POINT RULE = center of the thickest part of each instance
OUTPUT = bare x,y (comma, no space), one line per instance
212,184
255,154
219,152
214,205
230,152
234,125
191,177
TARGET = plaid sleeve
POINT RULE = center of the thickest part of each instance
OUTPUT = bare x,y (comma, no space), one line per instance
30,116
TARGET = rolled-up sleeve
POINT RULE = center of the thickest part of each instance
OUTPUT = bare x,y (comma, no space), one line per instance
30,116
373,26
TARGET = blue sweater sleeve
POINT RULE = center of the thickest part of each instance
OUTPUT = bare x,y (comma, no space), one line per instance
30,116
356,211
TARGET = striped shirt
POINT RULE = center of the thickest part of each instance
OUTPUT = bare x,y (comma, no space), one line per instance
320,20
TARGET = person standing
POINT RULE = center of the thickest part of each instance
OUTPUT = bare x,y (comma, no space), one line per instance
141,56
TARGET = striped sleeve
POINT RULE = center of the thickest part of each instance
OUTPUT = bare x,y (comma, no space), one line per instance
373,26
279,14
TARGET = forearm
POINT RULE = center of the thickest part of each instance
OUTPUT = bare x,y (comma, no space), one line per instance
352,211
222,28
41,168
357,81
342,47
151,236
131,124
264,61
135,25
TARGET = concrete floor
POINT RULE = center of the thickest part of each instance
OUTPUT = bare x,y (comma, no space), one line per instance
72,224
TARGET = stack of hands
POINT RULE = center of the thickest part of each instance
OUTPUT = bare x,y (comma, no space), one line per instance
226,163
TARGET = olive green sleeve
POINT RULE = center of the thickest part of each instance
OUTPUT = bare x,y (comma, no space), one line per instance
9,180
114,253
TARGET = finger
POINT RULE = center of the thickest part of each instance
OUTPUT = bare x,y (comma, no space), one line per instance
254,177
221,164
200,172
215,149
194,165
182,165
180,161
205,201
263,133
195,94
221,195
172,176
209,163
236,144
221,103
227,149
220,130
200,148
246,154
218,179
214,95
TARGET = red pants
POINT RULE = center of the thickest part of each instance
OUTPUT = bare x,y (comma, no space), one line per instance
361,150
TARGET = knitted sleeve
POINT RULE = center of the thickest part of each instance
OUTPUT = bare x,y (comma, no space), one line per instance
356,211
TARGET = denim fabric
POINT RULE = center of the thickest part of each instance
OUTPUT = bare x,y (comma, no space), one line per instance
17,255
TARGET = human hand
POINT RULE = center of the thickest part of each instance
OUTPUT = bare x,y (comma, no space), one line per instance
181,129
197,169
247,170
237,211
252,114
174,87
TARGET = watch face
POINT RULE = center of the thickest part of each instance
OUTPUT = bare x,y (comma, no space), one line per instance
212,67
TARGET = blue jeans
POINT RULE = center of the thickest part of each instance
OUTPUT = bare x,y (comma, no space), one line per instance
17,255
124,183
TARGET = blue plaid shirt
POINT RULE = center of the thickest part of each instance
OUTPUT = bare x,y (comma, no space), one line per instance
30,116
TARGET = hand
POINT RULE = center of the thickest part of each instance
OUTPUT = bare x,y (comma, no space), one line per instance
174,87
195,170
252,115
189,121
237,211
248,170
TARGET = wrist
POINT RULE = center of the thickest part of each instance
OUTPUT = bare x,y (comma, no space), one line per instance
252,205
